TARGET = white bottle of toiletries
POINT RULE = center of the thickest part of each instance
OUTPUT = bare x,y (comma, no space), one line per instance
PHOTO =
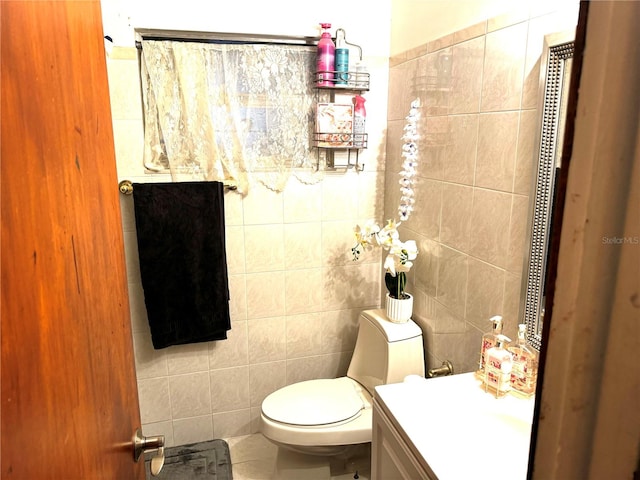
497,368
488,341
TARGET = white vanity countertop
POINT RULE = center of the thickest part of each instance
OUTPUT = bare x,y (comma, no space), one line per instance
459,430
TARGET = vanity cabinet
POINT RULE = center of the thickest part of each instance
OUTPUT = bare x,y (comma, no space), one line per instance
391,456
448,428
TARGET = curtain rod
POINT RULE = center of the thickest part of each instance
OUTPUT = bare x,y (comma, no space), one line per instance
221,37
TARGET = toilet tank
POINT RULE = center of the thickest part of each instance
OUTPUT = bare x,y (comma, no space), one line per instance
385,352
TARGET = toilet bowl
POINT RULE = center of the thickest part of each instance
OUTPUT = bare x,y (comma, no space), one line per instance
324,416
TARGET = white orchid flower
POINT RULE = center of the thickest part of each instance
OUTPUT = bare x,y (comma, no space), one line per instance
389,235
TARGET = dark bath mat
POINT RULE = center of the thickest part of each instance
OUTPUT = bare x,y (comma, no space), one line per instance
204,460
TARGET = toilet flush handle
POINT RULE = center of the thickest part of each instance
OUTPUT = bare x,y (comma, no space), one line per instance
142,444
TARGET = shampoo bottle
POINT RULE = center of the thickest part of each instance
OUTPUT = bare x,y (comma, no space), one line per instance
359,120
341,59
525,366
325,58
488,341
497,369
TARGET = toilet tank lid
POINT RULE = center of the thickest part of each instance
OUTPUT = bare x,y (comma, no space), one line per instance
393,332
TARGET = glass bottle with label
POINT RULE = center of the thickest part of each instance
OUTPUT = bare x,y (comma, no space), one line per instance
524,373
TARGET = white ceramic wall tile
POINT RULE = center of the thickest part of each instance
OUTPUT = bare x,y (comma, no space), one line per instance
321,366
232,352
124,89
337,240
190,395
485,293
468,57
511,309
340,196
264,248
302,202
262,206
237,298
256,422
424,273
460,146
155,404
235,249
232,424
265,378
128,137
457,202
192,430
517,250
435,135
127,213
232,208
229,389
131,257
265,295
338,332
139,322
502,80
490,226
303,291
371,195
452,280
189,358
302,245
526,154
428,202
304,334
495,162
267,338
150,363
353,286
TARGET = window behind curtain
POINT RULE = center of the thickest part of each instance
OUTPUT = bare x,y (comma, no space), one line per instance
229,111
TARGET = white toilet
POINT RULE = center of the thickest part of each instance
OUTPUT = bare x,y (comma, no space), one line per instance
324,416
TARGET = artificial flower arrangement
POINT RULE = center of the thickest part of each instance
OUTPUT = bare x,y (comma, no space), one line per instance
400,255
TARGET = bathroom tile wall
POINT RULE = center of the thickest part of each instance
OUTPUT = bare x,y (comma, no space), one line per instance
479,93
295,292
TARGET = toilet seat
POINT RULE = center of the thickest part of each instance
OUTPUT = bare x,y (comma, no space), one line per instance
348,424
315,402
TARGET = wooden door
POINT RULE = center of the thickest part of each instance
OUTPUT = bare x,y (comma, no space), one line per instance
69,397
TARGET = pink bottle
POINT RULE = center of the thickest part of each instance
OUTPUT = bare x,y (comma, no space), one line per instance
326,58
359,119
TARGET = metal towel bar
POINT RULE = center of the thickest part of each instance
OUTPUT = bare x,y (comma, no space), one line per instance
126,186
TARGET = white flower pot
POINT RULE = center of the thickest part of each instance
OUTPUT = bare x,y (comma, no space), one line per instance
399,310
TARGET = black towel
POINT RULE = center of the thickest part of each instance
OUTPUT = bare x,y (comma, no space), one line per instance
183,264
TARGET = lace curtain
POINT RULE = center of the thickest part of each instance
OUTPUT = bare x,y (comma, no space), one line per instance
229,112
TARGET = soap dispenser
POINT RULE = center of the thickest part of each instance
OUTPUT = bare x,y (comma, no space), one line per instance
525,366
497,368
488,341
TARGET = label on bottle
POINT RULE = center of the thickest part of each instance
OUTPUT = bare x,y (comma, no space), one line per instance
325,66
498,370
342,66
487,343
358,131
